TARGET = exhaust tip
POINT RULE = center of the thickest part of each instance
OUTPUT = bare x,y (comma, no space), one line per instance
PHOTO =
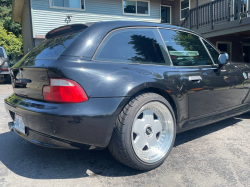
11,126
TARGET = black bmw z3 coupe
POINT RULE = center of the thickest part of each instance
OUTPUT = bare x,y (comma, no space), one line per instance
128,86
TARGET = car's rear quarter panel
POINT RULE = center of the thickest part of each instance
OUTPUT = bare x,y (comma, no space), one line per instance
109,79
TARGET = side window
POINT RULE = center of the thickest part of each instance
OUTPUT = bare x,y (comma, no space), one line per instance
135,45
185,49
213,52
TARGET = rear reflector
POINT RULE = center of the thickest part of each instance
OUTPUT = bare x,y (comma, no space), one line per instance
64,91
4,69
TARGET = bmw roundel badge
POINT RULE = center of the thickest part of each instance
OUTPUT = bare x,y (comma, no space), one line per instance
245,75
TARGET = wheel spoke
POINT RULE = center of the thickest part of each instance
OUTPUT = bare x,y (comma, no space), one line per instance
157,126
148,115
140,142
138,126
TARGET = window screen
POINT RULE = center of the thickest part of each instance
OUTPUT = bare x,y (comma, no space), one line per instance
78,4
142,7
185,49
133,45
136,7
129,7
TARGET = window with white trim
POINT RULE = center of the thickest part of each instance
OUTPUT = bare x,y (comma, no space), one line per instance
184,8
68,4
136,7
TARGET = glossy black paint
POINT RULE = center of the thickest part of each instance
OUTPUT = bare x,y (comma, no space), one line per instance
219,89
223,91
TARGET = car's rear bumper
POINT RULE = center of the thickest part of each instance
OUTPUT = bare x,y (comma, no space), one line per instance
81,125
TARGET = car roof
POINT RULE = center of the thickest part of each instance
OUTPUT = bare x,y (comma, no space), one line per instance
119,24
109,25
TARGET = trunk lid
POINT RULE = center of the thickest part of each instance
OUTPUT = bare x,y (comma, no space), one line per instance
28,81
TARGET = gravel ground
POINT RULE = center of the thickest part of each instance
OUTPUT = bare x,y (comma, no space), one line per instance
214,155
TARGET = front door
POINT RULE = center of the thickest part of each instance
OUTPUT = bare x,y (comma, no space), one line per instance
246,53
166,14
209,88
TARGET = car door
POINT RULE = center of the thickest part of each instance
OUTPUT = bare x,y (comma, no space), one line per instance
210,87
230,77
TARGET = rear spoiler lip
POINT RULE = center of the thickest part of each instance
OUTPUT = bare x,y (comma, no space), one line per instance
67,29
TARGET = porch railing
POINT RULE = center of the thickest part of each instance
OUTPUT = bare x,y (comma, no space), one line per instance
215,12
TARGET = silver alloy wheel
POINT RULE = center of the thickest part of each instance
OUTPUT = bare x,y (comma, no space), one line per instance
152,132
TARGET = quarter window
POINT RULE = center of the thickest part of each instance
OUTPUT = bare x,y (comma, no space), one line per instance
136,7
133,46
184,8
213,52
185,49
74,4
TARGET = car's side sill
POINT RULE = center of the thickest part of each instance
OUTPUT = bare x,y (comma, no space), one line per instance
193,123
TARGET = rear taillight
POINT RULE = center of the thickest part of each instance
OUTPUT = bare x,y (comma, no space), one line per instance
4,69
64,91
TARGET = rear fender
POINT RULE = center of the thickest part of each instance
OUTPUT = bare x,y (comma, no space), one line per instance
109,79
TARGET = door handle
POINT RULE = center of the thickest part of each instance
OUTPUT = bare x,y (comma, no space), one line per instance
195,78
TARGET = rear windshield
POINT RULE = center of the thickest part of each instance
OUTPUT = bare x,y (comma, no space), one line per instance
51,48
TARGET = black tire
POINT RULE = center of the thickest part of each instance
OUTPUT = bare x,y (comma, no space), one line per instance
121,144
7,79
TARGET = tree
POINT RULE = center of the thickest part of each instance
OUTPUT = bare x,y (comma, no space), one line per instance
11,43
5,18
10,32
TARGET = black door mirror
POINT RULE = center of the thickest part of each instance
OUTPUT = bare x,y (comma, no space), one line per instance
2,60
223,58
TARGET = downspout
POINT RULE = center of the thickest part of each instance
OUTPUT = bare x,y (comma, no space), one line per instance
31,24
197,15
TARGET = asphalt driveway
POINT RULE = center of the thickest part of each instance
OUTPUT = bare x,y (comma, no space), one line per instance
214,155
